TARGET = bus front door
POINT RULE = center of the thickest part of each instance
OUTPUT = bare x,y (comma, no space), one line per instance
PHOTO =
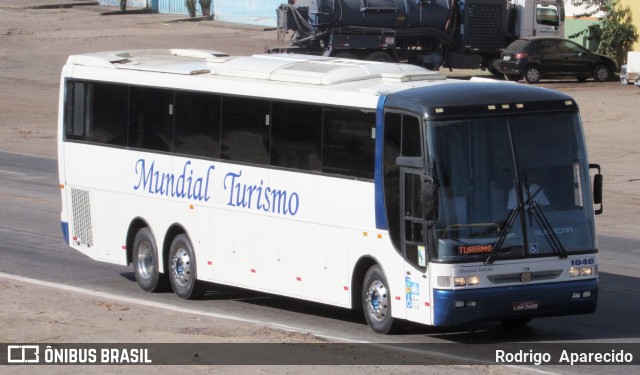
413,241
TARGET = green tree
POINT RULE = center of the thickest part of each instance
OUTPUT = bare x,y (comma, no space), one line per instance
616,33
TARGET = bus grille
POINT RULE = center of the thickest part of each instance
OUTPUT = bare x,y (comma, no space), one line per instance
516,277
82,229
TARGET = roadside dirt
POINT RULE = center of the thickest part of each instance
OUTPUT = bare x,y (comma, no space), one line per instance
34,45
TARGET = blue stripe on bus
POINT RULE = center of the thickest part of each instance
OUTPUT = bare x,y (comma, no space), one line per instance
494,304
65,231
381,216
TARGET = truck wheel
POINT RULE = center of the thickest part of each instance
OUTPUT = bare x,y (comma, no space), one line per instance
345,55
379,56
146,263
182,268
601,73
532,74
376,301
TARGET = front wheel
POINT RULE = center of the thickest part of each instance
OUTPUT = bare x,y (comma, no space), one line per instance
182,268
376,301
601,73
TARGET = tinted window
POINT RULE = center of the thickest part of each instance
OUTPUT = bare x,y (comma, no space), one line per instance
109,117
401,138
348,143
546,46
518,45
150,120
96,112
296,136
197,124
245,130
568,47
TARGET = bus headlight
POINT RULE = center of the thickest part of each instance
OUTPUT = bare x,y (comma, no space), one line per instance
580,271
459,281
574,271
473,280
462,281
586,271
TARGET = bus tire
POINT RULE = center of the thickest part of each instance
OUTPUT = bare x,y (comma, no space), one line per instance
146,263
376,301
182,268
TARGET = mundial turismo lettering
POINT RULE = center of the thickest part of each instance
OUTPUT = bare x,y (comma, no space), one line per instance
196,186
260,197
184,185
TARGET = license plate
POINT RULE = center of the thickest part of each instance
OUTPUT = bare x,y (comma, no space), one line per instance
526,306
506,58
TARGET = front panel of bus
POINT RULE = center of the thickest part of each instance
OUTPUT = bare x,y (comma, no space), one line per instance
494,209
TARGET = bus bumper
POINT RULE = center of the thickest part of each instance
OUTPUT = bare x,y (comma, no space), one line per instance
455,307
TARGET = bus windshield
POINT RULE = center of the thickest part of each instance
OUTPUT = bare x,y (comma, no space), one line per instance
511,187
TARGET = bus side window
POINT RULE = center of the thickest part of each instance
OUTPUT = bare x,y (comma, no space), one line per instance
197,124
245,130
108,117
348,146
150,119
296,136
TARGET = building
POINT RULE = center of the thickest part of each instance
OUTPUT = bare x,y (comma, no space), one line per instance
251,12
574,24
634,5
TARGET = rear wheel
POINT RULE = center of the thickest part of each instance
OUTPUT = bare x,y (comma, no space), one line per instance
532,74
345,55
601,73
376,301
146,262
379,56
182,268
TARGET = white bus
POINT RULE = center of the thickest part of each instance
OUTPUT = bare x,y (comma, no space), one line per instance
374,186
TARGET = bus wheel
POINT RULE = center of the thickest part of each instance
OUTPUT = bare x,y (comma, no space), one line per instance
145,262
376,301
182,268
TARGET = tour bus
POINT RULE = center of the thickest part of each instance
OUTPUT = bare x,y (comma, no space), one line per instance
366,185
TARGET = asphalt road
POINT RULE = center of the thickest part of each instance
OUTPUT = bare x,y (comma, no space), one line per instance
31,245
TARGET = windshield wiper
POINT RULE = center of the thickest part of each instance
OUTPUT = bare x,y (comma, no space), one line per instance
543,222
503,235
533,208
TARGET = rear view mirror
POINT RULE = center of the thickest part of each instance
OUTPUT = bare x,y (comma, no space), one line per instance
597,188
429,200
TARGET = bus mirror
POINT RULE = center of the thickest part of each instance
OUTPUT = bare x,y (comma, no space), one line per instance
409,162
597,187
429,199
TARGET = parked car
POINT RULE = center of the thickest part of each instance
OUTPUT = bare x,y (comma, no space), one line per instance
535,58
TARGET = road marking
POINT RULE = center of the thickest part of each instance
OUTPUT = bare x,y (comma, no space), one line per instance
13,173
